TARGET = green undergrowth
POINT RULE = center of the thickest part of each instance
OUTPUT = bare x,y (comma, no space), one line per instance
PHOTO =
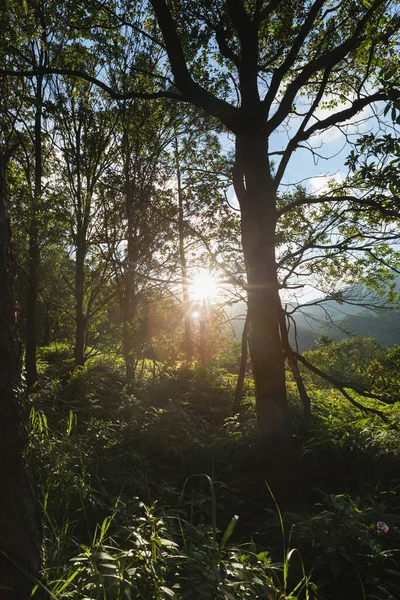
155,490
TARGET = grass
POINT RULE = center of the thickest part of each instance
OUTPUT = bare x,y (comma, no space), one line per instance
157,491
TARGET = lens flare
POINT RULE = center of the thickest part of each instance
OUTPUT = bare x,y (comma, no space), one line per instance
204,287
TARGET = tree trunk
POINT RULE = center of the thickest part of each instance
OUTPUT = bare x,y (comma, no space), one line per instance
188,342
294,367
130,362
34,255
47,326
31,305
80,318
304,397
203,336
19,525
257,198
243,365
129,300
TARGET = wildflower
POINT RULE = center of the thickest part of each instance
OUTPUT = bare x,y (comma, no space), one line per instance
382,526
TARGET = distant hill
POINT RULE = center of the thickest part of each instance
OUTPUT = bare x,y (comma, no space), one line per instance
383,325
343,319
337,320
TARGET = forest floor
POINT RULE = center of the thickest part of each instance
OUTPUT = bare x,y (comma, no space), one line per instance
155,490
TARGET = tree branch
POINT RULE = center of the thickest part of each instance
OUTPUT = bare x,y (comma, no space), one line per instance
293,52
325,61
191,91
340,385
98,82
392,213
296,139
344,115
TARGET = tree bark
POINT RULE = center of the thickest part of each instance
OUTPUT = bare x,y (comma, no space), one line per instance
80,317
129,296
19,524
294,367
257,198
47,325
243,365
34,254
128,313
203,337
130,362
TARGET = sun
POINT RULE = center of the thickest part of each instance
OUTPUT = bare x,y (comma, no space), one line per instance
204,287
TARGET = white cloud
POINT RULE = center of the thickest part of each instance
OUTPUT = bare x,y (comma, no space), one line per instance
232,199
320,184
355,126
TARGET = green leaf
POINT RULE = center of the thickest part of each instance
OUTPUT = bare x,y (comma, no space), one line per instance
167,591
228,532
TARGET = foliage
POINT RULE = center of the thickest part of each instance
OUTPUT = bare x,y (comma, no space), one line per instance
352,540
128,509
348,361
141,560
357,361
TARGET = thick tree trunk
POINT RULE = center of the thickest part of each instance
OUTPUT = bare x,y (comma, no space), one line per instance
34,255
188,342
243,365
80,317
19,530
256,194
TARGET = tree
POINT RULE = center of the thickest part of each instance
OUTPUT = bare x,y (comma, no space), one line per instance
138,236
48,224
348,360
86,127
201,179
242,366
188,341
35,50
20,538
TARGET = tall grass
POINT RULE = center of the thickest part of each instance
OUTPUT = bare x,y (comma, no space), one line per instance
126,515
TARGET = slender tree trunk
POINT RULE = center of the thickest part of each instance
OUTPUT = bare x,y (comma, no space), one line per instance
304,397
31,306
243,365
294,367
129,301
188,342
34,254
80,317
19,524
257,197
130,362
203,336
46,333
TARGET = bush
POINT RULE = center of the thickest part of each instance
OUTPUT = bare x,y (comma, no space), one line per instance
351,543
347,361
